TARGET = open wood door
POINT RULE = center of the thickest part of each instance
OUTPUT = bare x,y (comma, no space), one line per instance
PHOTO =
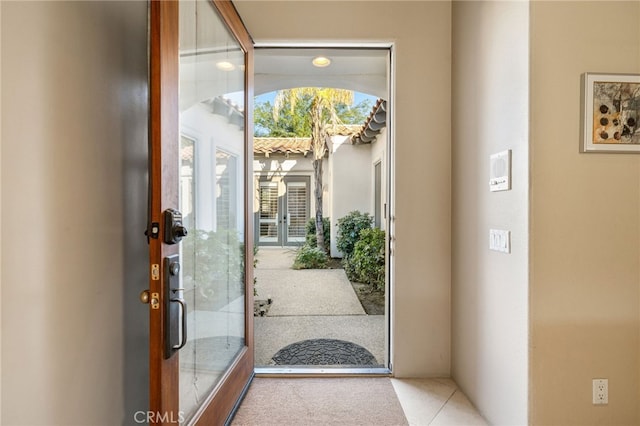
200,231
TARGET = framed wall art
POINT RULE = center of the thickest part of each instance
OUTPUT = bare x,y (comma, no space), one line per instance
610,113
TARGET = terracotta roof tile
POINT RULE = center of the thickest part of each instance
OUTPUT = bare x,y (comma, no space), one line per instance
374,124
358,134
281,145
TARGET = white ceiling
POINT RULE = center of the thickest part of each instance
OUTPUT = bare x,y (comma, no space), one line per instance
361,70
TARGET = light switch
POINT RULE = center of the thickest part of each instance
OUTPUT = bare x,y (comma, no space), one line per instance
500,240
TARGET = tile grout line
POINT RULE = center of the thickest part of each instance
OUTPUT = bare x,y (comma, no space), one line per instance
443,405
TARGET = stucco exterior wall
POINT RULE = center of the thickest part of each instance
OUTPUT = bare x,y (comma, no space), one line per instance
350,186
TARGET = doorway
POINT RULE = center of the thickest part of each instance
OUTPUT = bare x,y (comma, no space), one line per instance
284,208
310,310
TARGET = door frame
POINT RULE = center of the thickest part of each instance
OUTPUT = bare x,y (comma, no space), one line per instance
164,137
388,213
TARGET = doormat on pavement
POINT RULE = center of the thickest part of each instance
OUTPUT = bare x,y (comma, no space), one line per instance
324,352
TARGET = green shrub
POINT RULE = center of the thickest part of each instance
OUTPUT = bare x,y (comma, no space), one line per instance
349,228
311,239
350,269
308,257
367,259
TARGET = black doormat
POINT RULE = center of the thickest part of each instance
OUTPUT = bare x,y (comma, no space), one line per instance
325,352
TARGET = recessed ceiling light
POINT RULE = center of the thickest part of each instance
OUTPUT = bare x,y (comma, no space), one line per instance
321,61
225,66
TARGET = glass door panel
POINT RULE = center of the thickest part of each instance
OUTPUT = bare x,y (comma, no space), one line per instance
297,199
269,218
211,103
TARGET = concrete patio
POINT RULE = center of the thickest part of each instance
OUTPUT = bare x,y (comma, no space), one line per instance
309,304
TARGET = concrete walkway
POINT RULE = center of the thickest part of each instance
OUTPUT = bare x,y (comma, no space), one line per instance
309,304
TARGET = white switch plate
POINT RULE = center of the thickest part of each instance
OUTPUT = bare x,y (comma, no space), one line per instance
500,171
500,240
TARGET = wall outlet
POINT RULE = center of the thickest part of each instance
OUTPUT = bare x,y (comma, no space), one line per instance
600,391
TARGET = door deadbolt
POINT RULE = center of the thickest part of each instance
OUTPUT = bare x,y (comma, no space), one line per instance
174,230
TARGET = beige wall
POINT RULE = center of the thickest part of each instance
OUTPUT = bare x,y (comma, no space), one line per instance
74,98
421,32
490,289
585,213
0,218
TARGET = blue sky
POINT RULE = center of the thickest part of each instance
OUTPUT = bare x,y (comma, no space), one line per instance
358,97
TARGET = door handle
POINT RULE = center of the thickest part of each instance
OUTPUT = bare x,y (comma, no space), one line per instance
175,308
183,332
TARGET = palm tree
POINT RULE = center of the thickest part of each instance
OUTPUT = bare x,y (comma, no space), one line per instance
322,112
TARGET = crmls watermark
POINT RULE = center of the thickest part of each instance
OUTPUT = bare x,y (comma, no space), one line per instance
158,417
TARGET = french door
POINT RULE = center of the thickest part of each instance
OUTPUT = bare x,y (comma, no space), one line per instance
284,210
200,231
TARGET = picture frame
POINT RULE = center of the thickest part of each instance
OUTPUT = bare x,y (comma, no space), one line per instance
610,105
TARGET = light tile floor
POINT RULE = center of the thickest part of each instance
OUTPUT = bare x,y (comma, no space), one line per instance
436,402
